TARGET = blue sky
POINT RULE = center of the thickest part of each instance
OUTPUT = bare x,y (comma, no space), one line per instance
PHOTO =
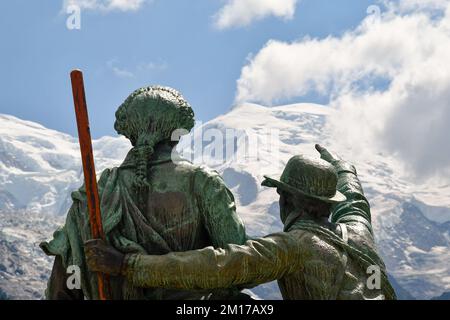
170,42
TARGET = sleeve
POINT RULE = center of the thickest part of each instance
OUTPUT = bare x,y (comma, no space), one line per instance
356,209
258,261
67,246
217,205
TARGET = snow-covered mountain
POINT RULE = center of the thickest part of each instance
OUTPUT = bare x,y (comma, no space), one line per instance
40,167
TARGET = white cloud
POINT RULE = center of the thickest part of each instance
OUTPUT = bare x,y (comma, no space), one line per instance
410,5
119,71
237,13
105,5
141,69
153,66
122,73
389,79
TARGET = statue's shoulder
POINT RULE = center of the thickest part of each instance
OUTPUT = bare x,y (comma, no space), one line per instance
206,175
206,171
105,178
107,173
361,237
198,171
317,247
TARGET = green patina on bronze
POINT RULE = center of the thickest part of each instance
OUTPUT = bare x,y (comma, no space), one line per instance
177,226
312,259
308,177
147,117
149,204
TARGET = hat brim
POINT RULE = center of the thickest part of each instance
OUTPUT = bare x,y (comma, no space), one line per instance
274,183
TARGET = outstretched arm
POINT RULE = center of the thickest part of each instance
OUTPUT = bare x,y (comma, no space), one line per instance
355,210
258,261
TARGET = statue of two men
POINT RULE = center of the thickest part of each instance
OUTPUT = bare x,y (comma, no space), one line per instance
173,233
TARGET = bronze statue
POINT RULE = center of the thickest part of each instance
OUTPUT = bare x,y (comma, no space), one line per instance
149,204
326,251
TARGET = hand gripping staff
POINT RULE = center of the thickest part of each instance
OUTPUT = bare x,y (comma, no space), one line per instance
90,178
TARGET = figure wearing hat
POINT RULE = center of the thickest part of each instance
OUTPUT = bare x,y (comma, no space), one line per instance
150,204
326,251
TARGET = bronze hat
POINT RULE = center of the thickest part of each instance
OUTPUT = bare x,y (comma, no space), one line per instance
315,179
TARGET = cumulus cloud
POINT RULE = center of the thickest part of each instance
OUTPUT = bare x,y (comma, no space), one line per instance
388,78
143,68
105,5
238,13
119,71
411,5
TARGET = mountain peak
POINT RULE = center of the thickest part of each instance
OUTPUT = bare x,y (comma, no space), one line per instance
295,107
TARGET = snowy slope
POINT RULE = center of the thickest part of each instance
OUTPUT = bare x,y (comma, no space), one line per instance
39,167
24,270
409,218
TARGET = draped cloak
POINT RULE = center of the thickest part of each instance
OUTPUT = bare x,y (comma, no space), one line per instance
188,208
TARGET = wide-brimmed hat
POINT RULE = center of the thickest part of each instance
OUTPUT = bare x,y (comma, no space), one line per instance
312,178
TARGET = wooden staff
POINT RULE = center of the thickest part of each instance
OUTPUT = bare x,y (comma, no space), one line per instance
90,178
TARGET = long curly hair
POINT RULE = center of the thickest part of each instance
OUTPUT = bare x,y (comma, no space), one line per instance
147,117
